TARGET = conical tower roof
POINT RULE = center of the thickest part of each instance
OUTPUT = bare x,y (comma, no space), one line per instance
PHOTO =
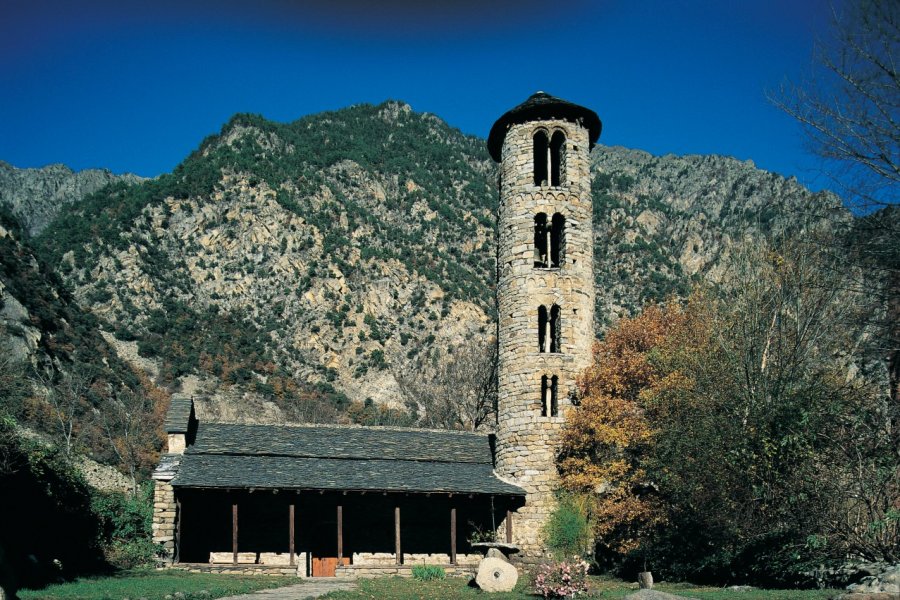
541,106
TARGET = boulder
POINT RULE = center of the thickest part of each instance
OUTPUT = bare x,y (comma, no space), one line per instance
496,575
886,582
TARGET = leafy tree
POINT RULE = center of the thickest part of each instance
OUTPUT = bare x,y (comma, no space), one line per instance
760,395
736,417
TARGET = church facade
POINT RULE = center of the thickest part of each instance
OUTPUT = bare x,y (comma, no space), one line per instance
356,501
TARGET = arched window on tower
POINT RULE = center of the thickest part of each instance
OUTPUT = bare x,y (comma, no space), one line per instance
549,404
541,152
548,329
542,328
557,158
557,240
555,327
554,407
541,241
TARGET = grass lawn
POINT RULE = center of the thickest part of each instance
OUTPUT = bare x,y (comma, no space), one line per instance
396,588
155,585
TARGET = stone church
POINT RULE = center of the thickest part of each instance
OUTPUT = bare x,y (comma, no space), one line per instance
319,500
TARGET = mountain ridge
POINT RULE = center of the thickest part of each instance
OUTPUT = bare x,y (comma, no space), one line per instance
35,195
345,248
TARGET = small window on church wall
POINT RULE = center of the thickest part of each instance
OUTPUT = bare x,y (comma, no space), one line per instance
549,405
548,329
541,241
557,158
541,152
557,240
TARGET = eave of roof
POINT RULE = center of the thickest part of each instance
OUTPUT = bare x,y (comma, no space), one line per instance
286,472
541,106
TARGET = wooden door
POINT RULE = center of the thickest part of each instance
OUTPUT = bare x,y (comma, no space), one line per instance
325,566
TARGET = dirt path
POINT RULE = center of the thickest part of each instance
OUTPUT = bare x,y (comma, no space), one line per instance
311,588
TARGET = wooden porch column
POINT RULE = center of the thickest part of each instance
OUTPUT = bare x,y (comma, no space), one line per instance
398,553
291,532
509,526
340,533
453,536
234,533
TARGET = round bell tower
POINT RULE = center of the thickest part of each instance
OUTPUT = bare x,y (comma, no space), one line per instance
545,292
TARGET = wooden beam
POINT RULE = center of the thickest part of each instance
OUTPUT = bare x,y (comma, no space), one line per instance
291,532
234,533
178,514
397,552
453,536
340,533
509,526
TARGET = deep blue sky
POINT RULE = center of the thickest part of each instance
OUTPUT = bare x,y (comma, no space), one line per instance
135,86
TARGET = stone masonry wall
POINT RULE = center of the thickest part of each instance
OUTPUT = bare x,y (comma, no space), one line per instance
164,514
527,441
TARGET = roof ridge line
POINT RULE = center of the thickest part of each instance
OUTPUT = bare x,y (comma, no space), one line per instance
355,426
278,455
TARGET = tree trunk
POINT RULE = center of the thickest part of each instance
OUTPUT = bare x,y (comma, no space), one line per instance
645,580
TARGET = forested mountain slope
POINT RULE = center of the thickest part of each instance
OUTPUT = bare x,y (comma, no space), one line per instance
309,263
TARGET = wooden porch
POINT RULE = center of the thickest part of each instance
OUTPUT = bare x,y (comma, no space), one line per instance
328,534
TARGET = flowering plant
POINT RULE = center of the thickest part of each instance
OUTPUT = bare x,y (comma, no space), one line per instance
562,580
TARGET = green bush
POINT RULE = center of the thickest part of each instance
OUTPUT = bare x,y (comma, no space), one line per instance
132,554
125,523
428,572
568,532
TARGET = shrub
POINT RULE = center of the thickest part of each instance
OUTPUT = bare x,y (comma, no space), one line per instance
428,572
125,523
568,531
132,554
562,579
479,535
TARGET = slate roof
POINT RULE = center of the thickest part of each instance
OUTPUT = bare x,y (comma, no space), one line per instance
340,458
178,417
540,106
167,467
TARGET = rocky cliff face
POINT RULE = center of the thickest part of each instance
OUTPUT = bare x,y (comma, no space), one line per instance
322,257
35,196
662,223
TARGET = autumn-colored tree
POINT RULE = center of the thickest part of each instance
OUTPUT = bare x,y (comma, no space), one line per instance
604,441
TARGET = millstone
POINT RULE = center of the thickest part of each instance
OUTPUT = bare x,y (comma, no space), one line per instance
496,575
